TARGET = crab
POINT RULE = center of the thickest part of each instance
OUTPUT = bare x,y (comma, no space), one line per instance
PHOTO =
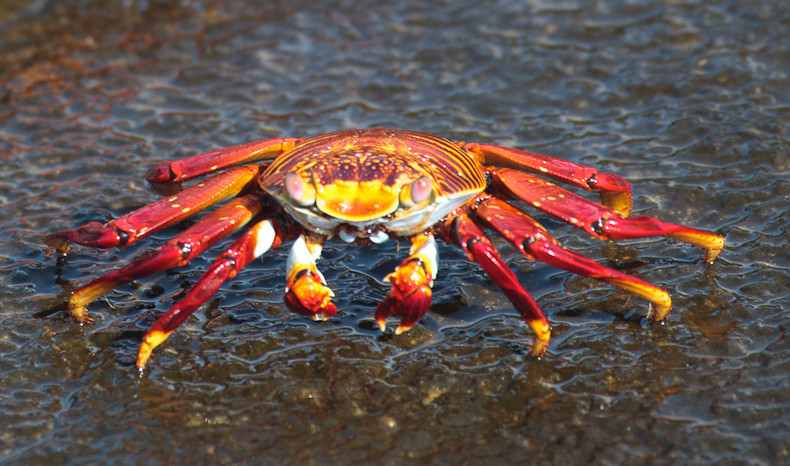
367,186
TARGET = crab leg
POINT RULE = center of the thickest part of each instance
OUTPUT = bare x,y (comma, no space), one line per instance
523,232
129,228
601,222
306,292
465,233
180,170
615,192
176,252
256,241
410,295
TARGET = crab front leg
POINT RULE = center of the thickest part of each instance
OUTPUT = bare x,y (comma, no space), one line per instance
598,220
615,192
461,230
306,292
140,223
179,170
410,295
256,241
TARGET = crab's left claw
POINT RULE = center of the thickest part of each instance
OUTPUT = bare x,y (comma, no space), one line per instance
306,292
410,295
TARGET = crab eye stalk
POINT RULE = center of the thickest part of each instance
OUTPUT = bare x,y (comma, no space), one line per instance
298,190
418,192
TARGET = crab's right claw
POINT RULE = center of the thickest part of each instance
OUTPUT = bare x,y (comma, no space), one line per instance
307,295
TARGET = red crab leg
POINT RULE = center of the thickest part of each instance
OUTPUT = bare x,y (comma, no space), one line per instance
615,192
596,219
180,170
263,236
306,292
129,228
176,252
478,247
523,232
410,295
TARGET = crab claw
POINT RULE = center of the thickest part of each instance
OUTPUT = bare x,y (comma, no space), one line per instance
410,295
307,295
306,292
151,340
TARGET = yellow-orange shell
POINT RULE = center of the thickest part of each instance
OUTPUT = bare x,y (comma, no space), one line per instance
358,174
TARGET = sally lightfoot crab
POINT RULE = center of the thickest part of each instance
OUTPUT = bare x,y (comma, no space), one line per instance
367,186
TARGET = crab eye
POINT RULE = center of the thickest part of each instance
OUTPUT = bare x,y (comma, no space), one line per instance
419,191
299,191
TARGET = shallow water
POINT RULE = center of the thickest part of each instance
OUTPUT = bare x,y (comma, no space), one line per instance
688,100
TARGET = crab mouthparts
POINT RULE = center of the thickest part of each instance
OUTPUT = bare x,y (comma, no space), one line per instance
349,235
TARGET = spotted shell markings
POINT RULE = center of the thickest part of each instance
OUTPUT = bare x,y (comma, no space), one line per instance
358,175
452,168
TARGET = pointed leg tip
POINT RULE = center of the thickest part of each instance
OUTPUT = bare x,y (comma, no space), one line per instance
159,173
711,254
615,192
142,355
142,359
382,324
402,328
80,314
58,241
711,243
93,234
542,331
151,340
539,347
658,312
